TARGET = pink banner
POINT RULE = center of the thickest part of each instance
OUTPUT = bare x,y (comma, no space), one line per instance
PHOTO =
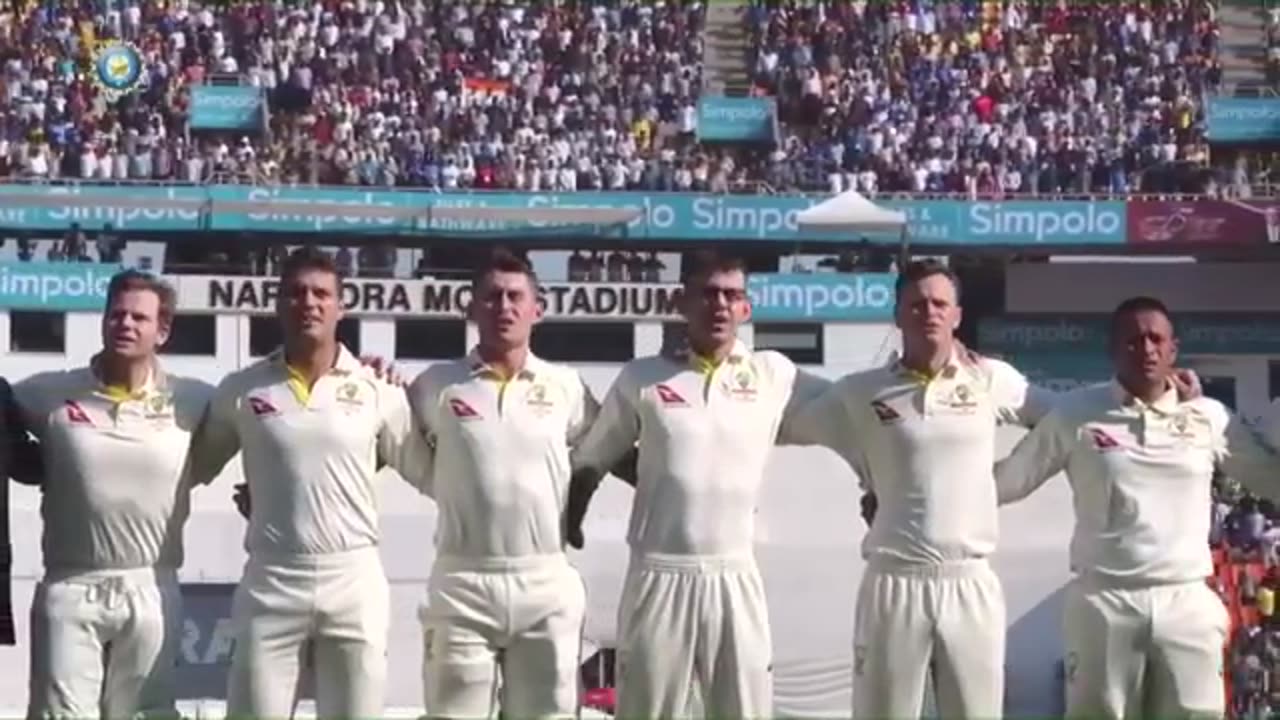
1204,222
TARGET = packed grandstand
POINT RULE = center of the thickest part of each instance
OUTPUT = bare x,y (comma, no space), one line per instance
968,98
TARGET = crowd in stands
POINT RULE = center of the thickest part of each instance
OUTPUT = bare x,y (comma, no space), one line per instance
971,96
1245,538
990,96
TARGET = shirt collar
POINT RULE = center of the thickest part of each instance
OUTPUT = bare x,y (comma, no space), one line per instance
949,371
1166,404
344,364
737,354
156,380
478,367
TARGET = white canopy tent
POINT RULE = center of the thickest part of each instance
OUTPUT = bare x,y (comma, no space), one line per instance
851,212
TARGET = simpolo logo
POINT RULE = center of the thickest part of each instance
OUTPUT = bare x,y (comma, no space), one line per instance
857,296
87,287
1044,221
1034,335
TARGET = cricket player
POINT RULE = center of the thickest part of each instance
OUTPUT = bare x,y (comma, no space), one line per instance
920,433
1143,628
311,424
106,618
503,595
693,619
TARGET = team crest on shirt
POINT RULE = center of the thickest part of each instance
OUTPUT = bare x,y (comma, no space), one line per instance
962,398
538,400
159,407
884,413
349,394
742,384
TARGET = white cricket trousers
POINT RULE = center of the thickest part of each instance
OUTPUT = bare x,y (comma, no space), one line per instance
1144,652
104,644
694,628
503,632
339,603
945,619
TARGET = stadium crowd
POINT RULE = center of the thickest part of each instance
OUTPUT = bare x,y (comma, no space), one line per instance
1246,541
974,95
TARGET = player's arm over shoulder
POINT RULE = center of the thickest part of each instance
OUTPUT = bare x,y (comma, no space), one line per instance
822,413
1046,450
216,438
1016,400
616,427
191,398
38,395
1244,453
403,442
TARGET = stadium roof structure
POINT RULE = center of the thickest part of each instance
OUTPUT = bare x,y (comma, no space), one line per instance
850,211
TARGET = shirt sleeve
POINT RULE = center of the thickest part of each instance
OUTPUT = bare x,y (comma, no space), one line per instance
615,430
1040,455
1017,401
402,443
32,396
216,439
26,465
1249,456
583,411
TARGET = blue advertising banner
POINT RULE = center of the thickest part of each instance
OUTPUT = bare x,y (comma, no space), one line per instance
227,108
1086,335
737,119
822,297
55,286
663,216
1243,120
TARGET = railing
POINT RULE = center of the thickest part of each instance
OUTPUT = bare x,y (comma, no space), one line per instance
1263,190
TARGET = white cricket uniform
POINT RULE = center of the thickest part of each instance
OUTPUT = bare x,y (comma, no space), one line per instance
106,618
502,586
314,572
1143,628
929,600
693,617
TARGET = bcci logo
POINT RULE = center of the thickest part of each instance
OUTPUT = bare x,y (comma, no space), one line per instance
117,70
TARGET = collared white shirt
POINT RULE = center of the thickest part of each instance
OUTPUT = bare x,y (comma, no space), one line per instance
925,446
310,456
704,433
113,494
500,472
1141,477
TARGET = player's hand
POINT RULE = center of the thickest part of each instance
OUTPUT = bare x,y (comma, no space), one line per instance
573,533
1187,383
241,498
384,369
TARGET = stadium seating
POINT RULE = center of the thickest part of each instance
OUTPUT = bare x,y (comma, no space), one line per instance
982,96
1246,575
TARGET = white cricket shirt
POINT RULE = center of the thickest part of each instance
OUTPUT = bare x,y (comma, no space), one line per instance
501,467
310,457
705,433
925,446
1141,478
113,496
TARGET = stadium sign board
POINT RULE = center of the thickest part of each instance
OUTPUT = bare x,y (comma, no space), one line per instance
227,108
683,217
817,297
1243,120
1085,335
737,120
